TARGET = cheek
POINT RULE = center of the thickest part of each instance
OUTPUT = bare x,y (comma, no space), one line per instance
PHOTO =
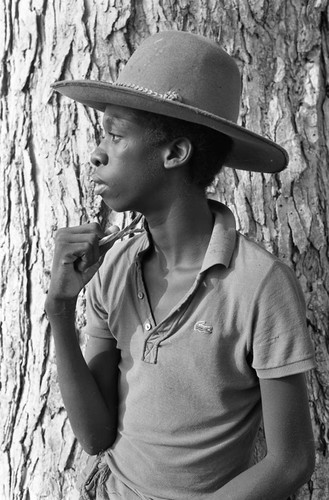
132,162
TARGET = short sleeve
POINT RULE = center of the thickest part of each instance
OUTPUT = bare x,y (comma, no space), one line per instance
96,314
281,344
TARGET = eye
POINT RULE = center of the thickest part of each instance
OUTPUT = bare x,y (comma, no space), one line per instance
114,138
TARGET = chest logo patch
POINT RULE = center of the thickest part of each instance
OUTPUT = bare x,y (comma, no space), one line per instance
202,327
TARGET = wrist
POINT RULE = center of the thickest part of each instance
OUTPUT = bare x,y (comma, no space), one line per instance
56,307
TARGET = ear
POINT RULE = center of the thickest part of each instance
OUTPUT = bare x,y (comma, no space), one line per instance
177,153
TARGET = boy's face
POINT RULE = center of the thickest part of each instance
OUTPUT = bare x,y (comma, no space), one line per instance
129,169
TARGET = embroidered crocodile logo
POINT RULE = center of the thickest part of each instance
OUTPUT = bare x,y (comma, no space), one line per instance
202,327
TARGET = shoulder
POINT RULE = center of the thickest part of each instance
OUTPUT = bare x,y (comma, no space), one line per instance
253,254
251,261
256,269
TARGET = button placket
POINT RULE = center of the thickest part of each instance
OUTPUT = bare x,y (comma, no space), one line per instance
168,326
162,333
142,304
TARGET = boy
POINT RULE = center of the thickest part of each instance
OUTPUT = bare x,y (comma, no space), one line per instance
194,331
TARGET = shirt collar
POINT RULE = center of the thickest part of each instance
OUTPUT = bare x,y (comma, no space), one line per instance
222,240
223,237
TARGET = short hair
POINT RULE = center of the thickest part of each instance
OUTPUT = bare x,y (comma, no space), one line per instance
210,147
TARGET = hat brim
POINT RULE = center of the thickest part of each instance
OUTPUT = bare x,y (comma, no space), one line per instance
250,151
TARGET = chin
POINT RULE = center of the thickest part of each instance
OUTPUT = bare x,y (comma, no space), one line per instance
119,205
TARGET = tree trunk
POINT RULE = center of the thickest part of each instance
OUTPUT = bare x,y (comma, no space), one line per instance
282,50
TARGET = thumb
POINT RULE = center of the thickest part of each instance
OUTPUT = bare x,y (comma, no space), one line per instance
88,273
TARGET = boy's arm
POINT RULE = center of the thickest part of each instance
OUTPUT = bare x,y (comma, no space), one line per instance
93,419
102,358
289,462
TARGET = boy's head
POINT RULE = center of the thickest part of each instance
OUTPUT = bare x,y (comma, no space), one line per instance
209,147
190,78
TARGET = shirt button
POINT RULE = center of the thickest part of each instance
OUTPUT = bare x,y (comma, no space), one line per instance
148,326
140,295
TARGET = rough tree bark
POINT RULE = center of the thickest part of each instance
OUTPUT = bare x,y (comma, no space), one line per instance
282,50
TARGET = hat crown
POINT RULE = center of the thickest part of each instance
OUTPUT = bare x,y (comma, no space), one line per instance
198,70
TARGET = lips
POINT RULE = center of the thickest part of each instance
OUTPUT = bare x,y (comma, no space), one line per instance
96,179
100,186
100,189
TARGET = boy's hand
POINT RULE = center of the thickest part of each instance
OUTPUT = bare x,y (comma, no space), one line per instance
77,257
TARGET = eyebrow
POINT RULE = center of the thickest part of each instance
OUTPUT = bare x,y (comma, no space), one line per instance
110,120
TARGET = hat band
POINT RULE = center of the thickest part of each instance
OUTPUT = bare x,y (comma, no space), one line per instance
171,95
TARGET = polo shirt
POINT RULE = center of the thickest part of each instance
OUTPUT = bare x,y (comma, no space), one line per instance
189,395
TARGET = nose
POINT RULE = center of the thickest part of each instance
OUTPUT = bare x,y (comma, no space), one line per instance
99,157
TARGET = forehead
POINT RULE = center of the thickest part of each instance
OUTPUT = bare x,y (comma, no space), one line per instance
122,115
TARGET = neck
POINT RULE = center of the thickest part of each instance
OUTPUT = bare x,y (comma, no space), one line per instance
181,232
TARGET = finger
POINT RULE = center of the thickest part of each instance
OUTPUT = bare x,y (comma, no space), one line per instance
92,227
88,258
65,239
90,271
85,252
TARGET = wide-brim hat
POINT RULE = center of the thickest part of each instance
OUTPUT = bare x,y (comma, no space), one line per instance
185,76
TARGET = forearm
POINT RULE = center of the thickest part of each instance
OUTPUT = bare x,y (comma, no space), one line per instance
270,479
93,422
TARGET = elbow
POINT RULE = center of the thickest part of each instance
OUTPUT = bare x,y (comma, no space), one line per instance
95,448
89,450
93,445
293,469
308,466
306,463
300,469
